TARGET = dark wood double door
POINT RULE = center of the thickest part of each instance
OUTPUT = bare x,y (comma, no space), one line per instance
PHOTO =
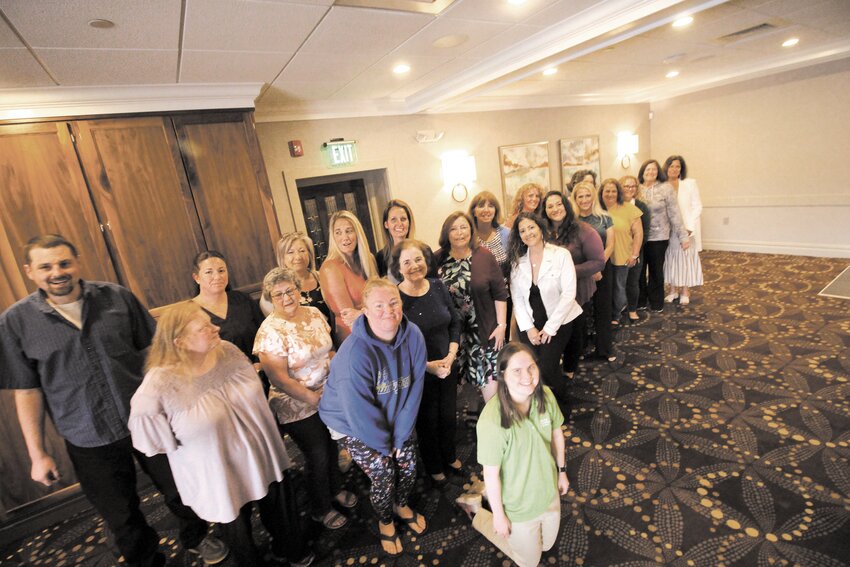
319,202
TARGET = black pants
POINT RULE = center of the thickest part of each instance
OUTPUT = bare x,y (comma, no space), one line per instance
654,252
436,423
633,285
321,454
280,518
107,475
602,300
575,346
549,360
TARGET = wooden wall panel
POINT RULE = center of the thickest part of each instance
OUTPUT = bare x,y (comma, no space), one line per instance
42,189
231,192
142,195
16,486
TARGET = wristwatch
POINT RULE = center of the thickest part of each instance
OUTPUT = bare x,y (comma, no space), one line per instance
562,469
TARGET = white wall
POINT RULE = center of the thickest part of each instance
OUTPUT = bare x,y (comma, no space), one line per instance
414,170
772,159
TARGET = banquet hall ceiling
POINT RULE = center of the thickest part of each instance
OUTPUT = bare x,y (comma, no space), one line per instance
320,58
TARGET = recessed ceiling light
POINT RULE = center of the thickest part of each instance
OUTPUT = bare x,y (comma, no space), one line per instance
448,41
683,21
401,69
550,71
791,42
101,24
516,2
672,74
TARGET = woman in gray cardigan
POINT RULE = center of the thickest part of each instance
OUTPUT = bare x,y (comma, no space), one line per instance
665,218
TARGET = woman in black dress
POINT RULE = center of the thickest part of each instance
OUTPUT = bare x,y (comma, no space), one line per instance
427,303
234,312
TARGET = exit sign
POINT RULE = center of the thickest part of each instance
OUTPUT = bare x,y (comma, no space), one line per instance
340,153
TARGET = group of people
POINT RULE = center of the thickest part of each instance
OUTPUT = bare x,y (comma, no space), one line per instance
360,357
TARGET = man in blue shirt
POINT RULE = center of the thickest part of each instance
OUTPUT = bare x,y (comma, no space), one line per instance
77,349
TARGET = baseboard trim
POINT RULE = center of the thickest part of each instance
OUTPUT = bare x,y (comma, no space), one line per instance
47,511
791,248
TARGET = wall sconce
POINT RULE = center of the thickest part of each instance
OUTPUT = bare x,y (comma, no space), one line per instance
458,171
627,146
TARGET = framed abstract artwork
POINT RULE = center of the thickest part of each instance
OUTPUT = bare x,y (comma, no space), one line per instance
579,153
521,164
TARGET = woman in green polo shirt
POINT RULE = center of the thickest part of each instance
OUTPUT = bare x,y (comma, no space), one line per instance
521,447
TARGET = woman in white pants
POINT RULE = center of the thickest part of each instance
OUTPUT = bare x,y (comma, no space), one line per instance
521,447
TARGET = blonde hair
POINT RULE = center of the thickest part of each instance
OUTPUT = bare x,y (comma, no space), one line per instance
170,326
378,283
365,262
516,207
288,240
595,208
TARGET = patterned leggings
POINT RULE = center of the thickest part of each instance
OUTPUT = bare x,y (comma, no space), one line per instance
392,477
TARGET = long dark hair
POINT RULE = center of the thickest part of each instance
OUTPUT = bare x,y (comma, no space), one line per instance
516,247
567,232
388,238
507,408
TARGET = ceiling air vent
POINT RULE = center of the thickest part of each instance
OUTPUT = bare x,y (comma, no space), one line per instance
419,6
751,32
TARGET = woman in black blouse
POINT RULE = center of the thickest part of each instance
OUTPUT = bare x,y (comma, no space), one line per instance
427,303
235,313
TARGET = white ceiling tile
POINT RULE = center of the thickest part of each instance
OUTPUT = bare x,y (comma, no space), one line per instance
496,10
356,30
231,66
380,79
19,69
336,68
435,76
81,67
784,7
477,32
8,37
242,25
822,14
297,91
706,28
152,24
560,11
505,40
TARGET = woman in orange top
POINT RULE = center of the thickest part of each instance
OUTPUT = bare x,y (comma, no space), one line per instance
346,268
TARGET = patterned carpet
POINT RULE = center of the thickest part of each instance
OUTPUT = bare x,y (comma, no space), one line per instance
722,437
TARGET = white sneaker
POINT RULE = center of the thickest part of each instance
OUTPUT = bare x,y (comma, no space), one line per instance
211,549
684,300
671,298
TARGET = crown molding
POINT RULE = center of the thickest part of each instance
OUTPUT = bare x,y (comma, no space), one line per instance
16,104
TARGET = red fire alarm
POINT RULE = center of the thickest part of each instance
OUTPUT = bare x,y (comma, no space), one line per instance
295,148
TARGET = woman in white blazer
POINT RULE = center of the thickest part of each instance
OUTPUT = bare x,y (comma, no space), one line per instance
682,268
543,287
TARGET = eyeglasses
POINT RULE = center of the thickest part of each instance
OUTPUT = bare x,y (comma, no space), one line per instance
291,292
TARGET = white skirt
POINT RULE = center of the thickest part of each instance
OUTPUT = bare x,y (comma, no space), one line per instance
682,268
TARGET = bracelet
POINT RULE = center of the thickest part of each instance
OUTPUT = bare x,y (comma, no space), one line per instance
501,325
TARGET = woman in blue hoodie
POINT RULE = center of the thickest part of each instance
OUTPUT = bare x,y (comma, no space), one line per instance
371,401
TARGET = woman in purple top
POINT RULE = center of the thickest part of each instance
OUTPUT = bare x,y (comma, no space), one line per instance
426,303
588,254
478,290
